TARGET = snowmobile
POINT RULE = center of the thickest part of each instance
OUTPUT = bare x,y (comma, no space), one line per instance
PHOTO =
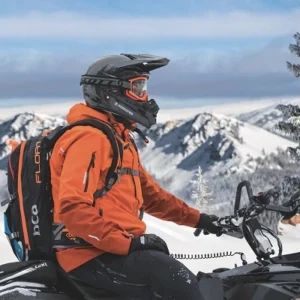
270,277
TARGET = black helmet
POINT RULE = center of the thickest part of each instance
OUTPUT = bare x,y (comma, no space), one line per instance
118,84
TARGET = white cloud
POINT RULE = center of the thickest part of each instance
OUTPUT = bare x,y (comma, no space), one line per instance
260,72
235,24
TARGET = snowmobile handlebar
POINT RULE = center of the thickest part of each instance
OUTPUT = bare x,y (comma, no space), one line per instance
262,198
244,222
258,203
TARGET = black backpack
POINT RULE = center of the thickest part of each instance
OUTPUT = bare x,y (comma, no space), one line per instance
28,219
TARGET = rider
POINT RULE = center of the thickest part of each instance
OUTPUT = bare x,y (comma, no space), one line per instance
121,258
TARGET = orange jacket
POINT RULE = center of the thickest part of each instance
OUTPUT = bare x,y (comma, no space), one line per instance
110,224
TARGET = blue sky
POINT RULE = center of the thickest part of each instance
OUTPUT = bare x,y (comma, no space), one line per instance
141,7
225,49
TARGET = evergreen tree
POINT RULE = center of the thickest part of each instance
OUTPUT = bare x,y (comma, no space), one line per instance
295,49
200,193
291,126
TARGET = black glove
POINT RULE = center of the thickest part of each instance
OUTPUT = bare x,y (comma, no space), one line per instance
206,223
149,242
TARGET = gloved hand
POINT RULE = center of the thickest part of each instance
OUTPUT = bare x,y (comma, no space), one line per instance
148,242
206,223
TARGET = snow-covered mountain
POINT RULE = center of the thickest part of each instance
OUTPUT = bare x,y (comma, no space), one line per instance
220,145
21,127
24,126
267,117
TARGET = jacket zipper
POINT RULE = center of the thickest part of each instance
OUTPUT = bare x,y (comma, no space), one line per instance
87,173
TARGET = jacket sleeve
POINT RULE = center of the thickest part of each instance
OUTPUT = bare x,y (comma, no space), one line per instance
163,205
79,180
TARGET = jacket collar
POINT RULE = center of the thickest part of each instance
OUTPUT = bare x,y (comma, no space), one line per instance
81,111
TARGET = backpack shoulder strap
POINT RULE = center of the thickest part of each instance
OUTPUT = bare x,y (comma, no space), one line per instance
133,143
112,174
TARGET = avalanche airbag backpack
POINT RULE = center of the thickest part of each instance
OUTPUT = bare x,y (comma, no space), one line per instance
28,219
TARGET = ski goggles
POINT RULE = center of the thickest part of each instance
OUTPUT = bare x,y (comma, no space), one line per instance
138,89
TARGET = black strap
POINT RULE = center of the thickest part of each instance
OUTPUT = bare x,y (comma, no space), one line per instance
133,143
128,172
107,187
112,180
97,80
13,235
63,239
6,201
141,134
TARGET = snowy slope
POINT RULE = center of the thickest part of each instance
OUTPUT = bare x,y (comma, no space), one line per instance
220,145
3,189
266,117
289,230
24,126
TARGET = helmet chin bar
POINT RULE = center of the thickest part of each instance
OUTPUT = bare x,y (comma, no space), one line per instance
143,113
151,108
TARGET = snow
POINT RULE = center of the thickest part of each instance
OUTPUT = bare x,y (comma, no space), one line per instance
267,117
23,291
24,288
3,190
176,149
227,108
255,139
289,230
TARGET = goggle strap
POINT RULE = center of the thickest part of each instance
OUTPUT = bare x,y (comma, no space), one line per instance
95,80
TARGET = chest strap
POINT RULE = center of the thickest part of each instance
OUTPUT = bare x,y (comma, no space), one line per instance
112,180
122,171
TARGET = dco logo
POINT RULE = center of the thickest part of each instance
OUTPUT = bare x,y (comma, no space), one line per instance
35,220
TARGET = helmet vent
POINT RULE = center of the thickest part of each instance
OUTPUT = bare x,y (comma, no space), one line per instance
132,57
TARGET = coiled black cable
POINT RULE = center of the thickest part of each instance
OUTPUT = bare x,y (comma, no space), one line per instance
209,255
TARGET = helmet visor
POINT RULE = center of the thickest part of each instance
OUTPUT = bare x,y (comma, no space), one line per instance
138,88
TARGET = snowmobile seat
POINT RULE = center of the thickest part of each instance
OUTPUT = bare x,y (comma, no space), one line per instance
30,280
50,279
37,271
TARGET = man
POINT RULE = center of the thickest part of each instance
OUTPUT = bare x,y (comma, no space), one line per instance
121,257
